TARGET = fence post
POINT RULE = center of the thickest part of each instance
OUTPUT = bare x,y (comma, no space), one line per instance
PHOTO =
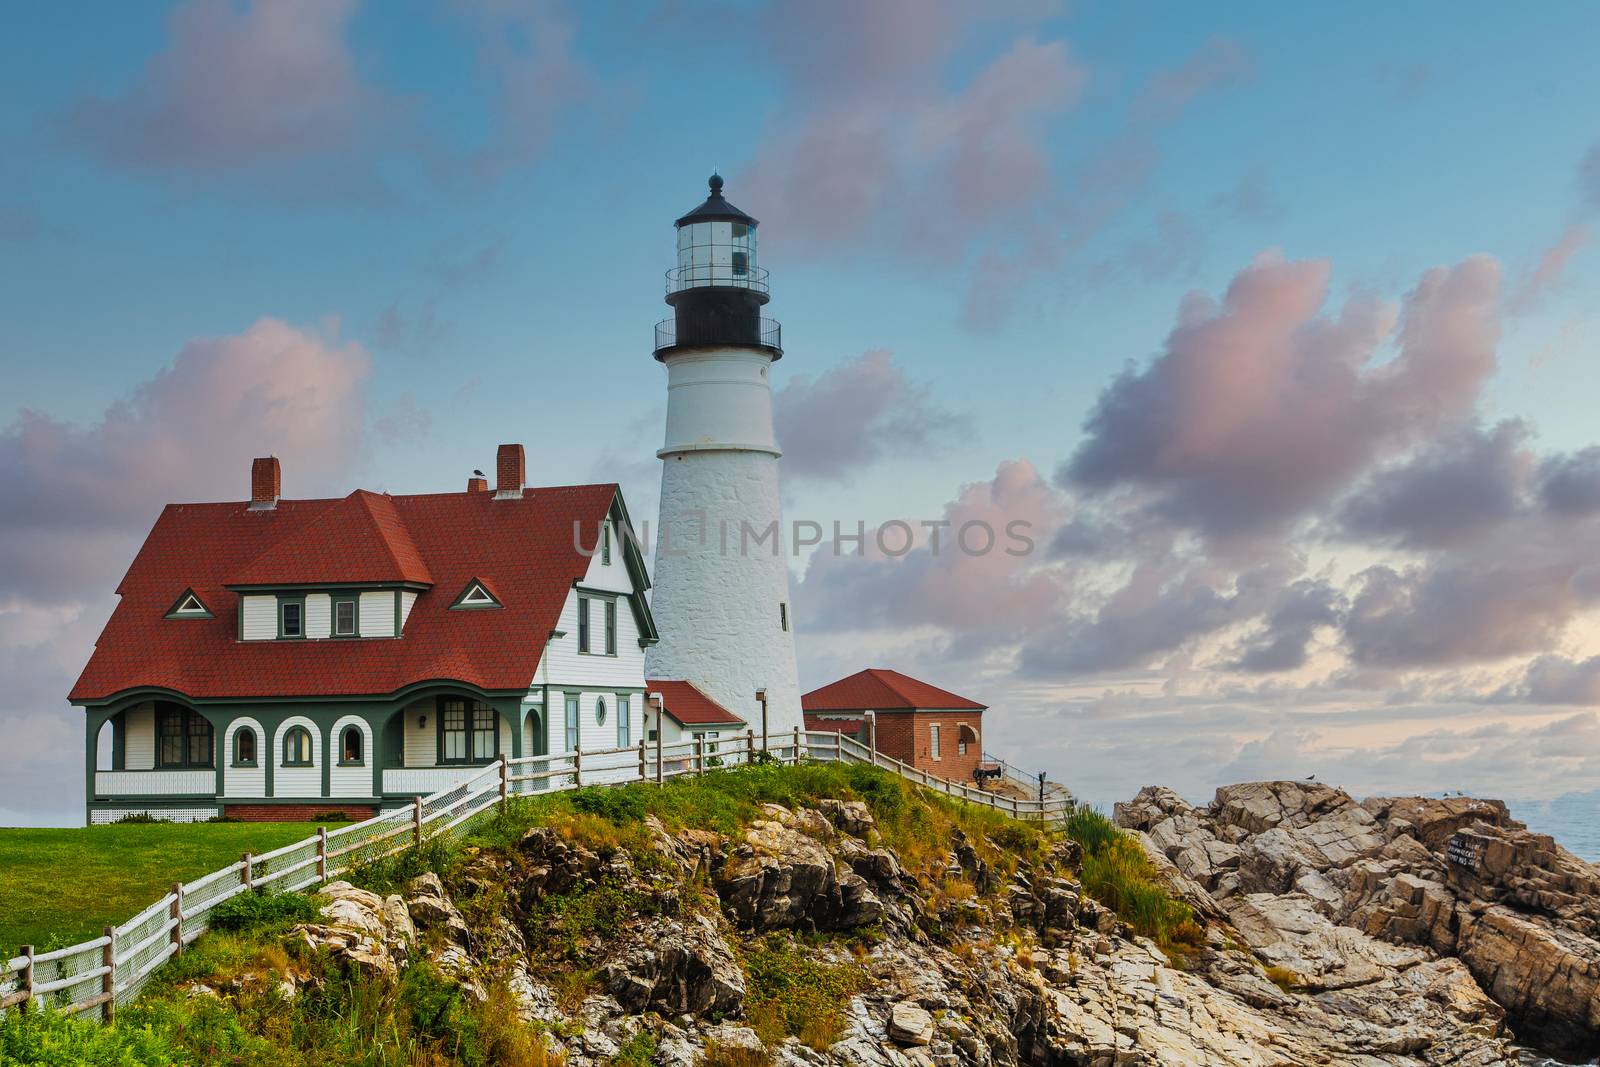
322,854
699,755
660,730
577,768
750,746
797,744
504,773
643,761
175,916
27,978
416,821
108,981
249,872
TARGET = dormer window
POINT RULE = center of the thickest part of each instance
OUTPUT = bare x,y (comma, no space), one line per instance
291,617
475,595
346,617
188,606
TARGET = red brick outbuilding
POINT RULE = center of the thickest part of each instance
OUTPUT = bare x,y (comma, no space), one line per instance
932,729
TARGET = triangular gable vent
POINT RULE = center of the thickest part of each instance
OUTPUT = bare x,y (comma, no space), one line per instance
475,596
189,607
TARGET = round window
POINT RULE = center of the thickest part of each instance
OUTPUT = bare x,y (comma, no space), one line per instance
600,712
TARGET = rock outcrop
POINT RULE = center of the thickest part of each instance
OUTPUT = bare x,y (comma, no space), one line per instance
1342,893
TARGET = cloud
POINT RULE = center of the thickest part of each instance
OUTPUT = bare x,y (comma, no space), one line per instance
1220,63
832,425
872,134
1305,607
1467,481
976,572
1569,484
81,497
1556,679
1552,268
236,88
1260,407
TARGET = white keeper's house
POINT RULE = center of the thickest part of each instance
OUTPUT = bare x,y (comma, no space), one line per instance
276,658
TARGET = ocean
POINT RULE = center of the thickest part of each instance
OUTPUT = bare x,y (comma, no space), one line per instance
1572,819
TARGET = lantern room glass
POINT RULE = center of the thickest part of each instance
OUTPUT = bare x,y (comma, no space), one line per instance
717,253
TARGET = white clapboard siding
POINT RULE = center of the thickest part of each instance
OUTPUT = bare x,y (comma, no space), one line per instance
424,779
377,613
612,576
595,670
260,618
355,781
407,600
155,783
244,781
319,615
297,781
422,742
139,737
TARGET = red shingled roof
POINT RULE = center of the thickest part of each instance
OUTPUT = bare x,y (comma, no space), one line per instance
358,539
685,703
522,548
877,689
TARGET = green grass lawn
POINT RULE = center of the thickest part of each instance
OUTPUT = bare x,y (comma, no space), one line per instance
61,886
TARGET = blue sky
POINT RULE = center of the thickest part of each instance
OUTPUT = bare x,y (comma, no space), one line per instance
479,196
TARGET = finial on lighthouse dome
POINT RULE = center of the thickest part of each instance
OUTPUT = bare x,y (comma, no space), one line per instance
716,184
715,209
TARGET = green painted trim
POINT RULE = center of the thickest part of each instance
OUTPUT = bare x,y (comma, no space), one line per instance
285,761
128,697
459,604
439,759
624,717
185,765
284,601
203,613
610,622
119,741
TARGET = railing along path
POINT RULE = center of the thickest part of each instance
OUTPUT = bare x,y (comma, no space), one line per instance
112,969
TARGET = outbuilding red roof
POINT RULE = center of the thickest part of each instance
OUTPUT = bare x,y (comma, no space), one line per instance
521,547
877,689
684,702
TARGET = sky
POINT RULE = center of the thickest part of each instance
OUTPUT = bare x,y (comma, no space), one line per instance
1273,325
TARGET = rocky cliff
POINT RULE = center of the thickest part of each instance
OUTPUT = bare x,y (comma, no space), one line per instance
1340,894
803,937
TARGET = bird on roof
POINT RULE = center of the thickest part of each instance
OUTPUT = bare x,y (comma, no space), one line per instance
476,473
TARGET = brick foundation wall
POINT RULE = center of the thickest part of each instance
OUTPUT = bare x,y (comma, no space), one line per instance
296,812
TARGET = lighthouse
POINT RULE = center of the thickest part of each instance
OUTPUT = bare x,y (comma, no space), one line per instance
721,585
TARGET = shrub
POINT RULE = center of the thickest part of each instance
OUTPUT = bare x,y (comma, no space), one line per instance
135,817
1118,874
619,806
261,910
638,1051
51,1037
794,993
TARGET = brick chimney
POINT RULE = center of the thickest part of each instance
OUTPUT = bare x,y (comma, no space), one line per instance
266,483
510,468
476,484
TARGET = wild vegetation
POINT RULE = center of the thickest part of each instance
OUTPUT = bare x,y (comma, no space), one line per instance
798,984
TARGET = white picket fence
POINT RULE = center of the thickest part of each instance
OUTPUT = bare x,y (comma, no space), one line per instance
112,969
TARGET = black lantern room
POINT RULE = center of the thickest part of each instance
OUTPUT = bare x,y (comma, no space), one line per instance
717,290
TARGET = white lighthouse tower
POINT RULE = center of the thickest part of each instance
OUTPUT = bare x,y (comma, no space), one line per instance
721,599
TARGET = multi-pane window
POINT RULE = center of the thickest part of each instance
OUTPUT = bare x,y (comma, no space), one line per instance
344,618
624,723
933,740
572,722
453,731
185,738
291,618
783,615
611,627
350,745
244,747
583,624
605,544
297,747
483,730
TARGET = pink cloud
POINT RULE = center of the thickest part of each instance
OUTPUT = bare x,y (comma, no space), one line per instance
188,433
1553,263
236,88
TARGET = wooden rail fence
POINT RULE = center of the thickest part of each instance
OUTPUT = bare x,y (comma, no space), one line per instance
112,969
